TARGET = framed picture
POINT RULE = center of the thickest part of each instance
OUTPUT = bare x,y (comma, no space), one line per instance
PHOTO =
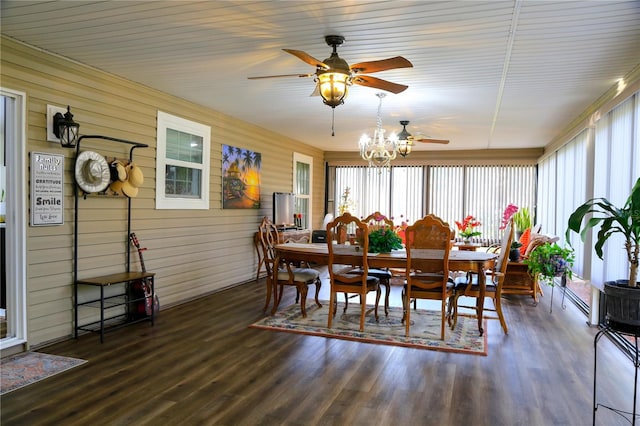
240,178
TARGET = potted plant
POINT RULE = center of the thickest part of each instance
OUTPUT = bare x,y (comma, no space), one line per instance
549,260
522,220
514,251
384,240
622,296
467,228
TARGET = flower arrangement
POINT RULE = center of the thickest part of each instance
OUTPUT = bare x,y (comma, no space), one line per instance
550,260
466,229
382,238
507,214
346,203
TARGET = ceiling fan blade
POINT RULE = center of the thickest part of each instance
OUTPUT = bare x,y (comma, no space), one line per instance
378,83
307,58
430,140
381,65
281,75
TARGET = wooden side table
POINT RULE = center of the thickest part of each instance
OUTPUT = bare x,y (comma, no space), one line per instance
518,281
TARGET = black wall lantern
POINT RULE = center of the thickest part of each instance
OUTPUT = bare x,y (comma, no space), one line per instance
66,129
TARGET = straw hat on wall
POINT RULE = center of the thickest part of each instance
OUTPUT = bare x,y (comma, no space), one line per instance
92,172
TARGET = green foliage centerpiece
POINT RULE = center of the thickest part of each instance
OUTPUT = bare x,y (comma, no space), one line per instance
549,261
382,237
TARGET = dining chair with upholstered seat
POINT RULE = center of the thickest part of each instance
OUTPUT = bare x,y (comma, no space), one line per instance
281,273
341,266
494,279
428,243
377,219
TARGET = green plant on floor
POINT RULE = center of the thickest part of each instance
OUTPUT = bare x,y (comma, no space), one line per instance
612,220
549,260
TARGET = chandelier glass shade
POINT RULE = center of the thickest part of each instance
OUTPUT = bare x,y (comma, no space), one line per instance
379,151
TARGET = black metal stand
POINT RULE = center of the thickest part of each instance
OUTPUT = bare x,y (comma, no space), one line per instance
636,363
564,292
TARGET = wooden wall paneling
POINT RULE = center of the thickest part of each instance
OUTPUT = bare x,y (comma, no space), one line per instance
193,252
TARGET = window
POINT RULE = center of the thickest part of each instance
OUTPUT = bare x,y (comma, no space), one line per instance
450,192
302,186
182,163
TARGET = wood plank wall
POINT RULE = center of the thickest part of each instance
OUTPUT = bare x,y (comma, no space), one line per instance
193,252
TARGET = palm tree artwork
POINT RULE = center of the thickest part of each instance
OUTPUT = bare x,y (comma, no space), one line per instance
240,178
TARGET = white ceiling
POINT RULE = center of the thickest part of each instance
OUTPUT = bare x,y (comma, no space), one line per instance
495,74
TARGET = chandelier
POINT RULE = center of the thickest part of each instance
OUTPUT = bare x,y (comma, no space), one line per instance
379,151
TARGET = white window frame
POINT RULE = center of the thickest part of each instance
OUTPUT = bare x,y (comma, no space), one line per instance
168,121
305,159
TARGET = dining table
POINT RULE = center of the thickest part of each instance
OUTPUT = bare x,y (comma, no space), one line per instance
459,260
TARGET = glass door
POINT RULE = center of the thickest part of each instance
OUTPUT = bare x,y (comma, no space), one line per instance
13,318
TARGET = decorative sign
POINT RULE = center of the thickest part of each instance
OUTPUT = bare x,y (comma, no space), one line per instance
47,182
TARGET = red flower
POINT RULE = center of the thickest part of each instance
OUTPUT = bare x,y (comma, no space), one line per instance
467,226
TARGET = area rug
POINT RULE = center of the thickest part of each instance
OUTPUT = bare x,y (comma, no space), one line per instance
424,332
29,367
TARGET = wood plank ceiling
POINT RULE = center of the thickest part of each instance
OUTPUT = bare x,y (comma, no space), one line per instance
496,74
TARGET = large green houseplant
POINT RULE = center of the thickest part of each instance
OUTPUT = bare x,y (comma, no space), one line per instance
623,296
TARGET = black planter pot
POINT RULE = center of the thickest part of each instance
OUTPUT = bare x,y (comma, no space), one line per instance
623,306
514,255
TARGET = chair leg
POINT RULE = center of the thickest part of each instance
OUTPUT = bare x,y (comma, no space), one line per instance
407,312
268,298
377,302
455,311
442,321
297,295
303,300
277,297
318,285
332,308
404,307
498,305
363,310
385,282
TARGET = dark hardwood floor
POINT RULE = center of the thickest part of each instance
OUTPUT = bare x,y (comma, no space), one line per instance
201,364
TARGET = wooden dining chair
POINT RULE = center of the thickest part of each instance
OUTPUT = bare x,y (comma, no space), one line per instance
428,243
377,219
281,273
494,279
341,265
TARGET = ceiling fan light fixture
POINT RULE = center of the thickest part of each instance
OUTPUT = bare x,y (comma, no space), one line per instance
333,87
405,140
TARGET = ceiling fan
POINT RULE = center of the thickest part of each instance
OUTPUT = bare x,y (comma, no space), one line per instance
334,75
406,140
406,135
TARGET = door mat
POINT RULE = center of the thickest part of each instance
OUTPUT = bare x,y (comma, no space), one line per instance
29,367
423,334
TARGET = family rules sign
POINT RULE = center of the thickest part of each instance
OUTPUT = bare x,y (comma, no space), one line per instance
47,182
